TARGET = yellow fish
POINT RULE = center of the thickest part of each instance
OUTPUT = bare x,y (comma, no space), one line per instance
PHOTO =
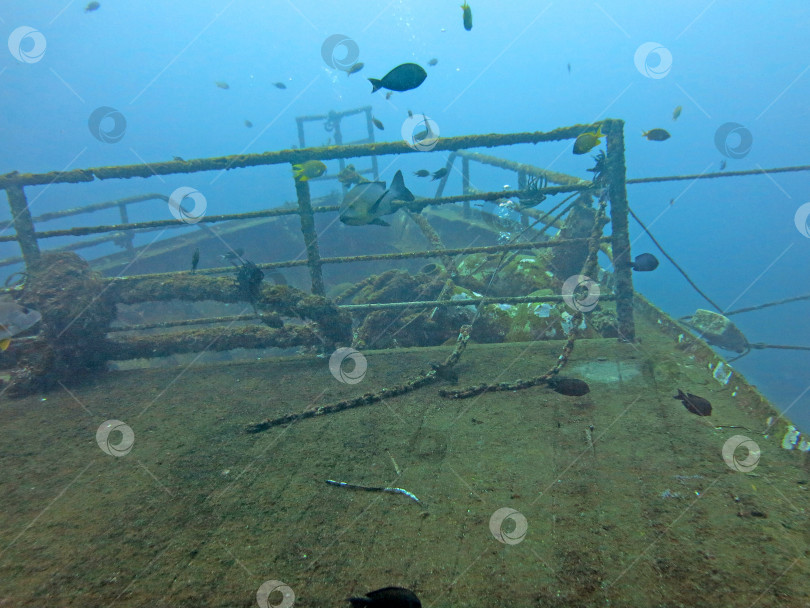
308,170
677,112
467,16
587,141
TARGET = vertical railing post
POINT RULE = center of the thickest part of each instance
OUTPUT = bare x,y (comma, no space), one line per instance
126,238
375,169
522,182
615,172
443,181
23,224
310,236
465,184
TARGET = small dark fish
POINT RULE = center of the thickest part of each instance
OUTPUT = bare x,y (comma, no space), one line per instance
402,78
378,123
388,94
645,262
387,597
354,68
572,387
433,62
222,85
248,124
693,403
195,259
421,173
656,135
93,6
410,114
722,165
179,158
439,174
569,68
467,16
279,85
677,112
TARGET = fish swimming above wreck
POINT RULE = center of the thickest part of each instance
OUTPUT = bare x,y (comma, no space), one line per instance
402,78
588,141
367,202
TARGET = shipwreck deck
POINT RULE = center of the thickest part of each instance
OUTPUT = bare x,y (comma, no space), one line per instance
200,513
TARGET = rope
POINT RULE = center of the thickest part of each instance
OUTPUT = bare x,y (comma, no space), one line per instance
673,178
768,304
674,263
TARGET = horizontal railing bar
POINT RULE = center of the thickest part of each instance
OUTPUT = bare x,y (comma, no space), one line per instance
209,219
428,253
672,178
236,161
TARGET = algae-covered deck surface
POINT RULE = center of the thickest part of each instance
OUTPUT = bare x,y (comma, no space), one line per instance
200,513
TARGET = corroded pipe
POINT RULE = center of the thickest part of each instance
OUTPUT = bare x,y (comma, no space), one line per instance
23,224
236,161
310,237
615,172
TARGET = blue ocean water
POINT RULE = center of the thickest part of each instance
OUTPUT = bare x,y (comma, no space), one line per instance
156,63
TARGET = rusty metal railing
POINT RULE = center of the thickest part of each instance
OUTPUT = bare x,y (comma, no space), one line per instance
27,237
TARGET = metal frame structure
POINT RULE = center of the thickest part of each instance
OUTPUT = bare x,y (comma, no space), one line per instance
615,179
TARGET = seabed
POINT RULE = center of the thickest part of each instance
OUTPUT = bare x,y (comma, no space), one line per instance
200,513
